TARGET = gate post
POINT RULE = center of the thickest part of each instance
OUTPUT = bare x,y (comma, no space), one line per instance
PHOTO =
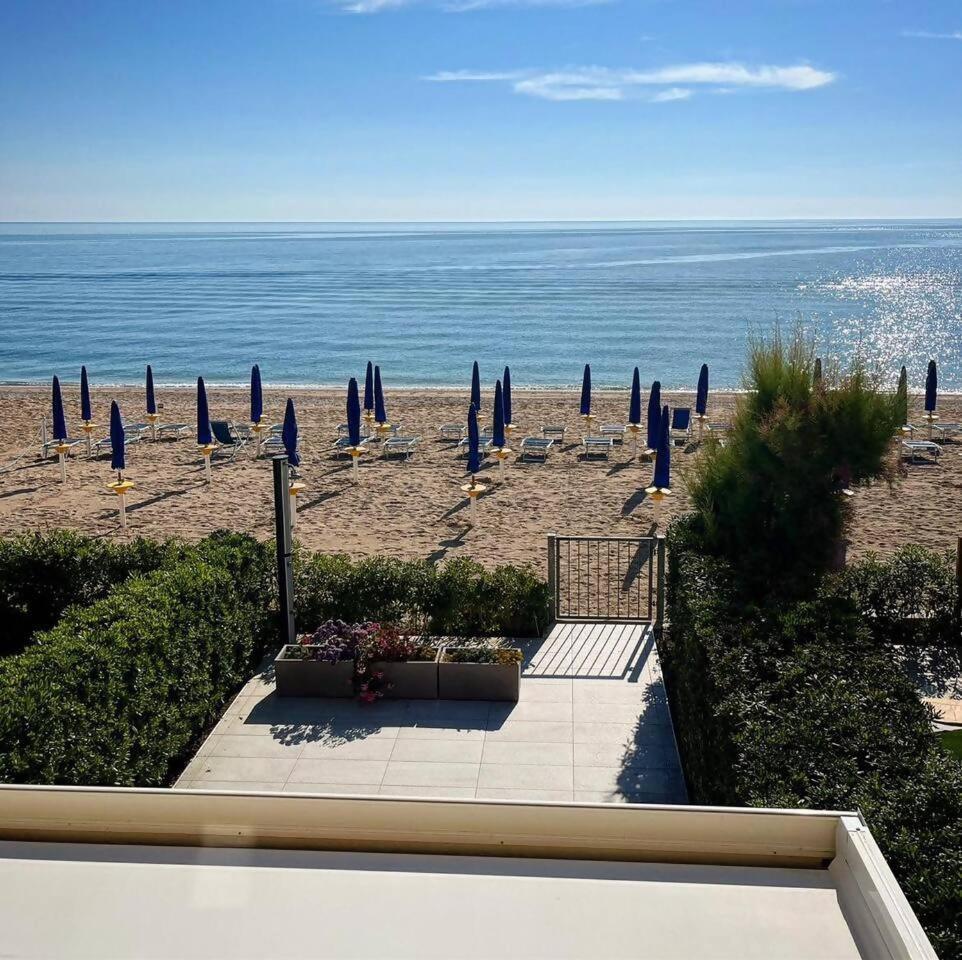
660,609
553,574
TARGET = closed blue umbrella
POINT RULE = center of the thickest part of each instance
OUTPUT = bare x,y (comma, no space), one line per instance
497,429
289,435
476,387
369,388
204,436
506,396
353,413
662,478
931,388
634,405
257,395
380,412
654,415
817,373
151,399
86,410
118,451
474,446
701,398
586,392
59,420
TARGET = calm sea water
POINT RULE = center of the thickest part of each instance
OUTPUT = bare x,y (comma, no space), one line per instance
312,303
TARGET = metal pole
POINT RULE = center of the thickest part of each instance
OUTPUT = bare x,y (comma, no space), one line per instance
553,574
958,591
285,549
660,615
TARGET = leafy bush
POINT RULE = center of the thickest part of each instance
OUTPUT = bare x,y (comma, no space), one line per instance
41,575
908,597
459,598
773,491
119,692
798,705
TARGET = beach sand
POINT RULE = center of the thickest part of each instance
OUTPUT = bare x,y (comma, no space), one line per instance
410,510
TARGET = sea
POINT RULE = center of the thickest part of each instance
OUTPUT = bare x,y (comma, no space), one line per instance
311,303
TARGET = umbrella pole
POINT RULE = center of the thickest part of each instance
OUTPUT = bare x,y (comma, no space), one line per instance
207,450
62,456
152,420
123,512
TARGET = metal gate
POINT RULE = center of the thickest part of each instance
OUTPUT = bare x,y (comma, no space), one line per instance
617,579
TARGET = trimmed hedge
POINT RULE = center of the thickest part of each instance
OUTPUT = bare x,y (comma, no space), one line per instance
458,598
118,693
798,705
41,575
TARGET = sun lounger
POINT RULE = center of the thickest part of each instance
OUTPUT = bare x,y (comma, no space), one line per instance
451,431
173,429
485,442
344,430
614,430
942,431
554,431
53,444
597,447
228,437
536,448
343,444
400,447
913,449
130,437
681,425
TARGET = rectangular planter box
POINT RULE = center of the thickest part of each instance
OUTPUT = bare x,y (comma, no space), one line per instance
313,678
478,681
409,679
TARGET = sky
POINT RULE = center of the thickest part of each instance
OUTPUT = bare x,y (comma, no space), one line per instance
321,110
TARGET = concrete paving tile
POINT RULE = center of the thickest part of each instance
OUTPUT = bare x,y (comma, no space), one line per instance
430,774
531,710
619,733
252,769
236,745
604,796
545,690
436,731
397,790
651,754
595,712
440,751
337,770
609,691
525,776
447,711
502,793
241,785
366,748
351,789
520,751
533,731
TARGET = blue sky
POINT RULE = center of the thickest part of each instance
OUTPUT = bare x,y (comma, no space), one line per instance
479,109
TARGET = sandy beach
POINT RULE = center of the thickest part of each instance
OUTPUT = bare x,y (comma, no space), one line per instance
414,509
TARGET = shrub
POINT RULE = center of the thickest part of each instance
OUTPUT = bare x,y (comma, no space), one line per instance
796,704
118,693
41,575
772,492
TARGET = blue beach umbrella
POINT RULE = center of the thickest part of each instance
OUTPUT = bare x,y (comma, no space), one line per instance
151,399
701,398
204,435
634,405
369,388
474,447
931,387
497,429
353,414
86,411
654,415
476,387
586,392
662,478
380,412
257,395
506,395
59,420
817,373
118,451
289,435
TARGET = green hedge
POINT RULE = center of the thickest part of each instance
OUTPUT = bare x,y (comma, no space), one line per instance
119,692
41,575
798,705
458,598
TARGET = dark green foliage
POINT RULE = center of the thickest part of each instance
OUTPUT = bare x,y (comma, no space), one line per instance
41,575
799,704
773,490
458,598
908,597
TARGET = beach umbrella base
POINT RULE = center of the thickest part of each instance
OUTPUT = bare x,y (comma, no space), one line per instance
355,453
501,454
152,419
88,429
62,450
257,429
295,489
473,490
207,450
634,431
121,487
588,419
657,495
930,418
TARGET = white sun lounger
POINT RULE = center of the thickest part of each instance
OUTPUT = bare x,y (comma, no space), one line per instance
536,448
129,438
616,431
400,447
485,442
945,430
554,431
53,444
913,449
342,445
597,447
173,429
451,431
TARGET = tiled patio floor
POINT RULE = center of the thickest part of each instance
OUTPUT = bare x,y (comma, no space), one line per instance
592,724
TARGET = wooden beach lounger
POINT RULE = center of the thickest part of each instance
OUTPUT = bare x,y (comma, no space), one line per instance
597,447
554,431
536,448
616,431
913,449
400,447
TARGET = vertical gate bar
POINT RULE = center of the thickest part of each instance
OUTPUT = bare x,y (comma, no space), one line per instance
651,574
661,581
588,585
568,577
552,579
608,581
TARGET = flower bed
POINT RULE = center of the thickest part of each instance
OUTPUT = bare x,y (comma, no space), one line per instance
322,663
482,672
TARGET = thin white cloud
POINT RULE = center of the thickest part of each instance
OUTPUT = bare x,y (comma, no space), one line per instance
456,6
930,35
604,83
